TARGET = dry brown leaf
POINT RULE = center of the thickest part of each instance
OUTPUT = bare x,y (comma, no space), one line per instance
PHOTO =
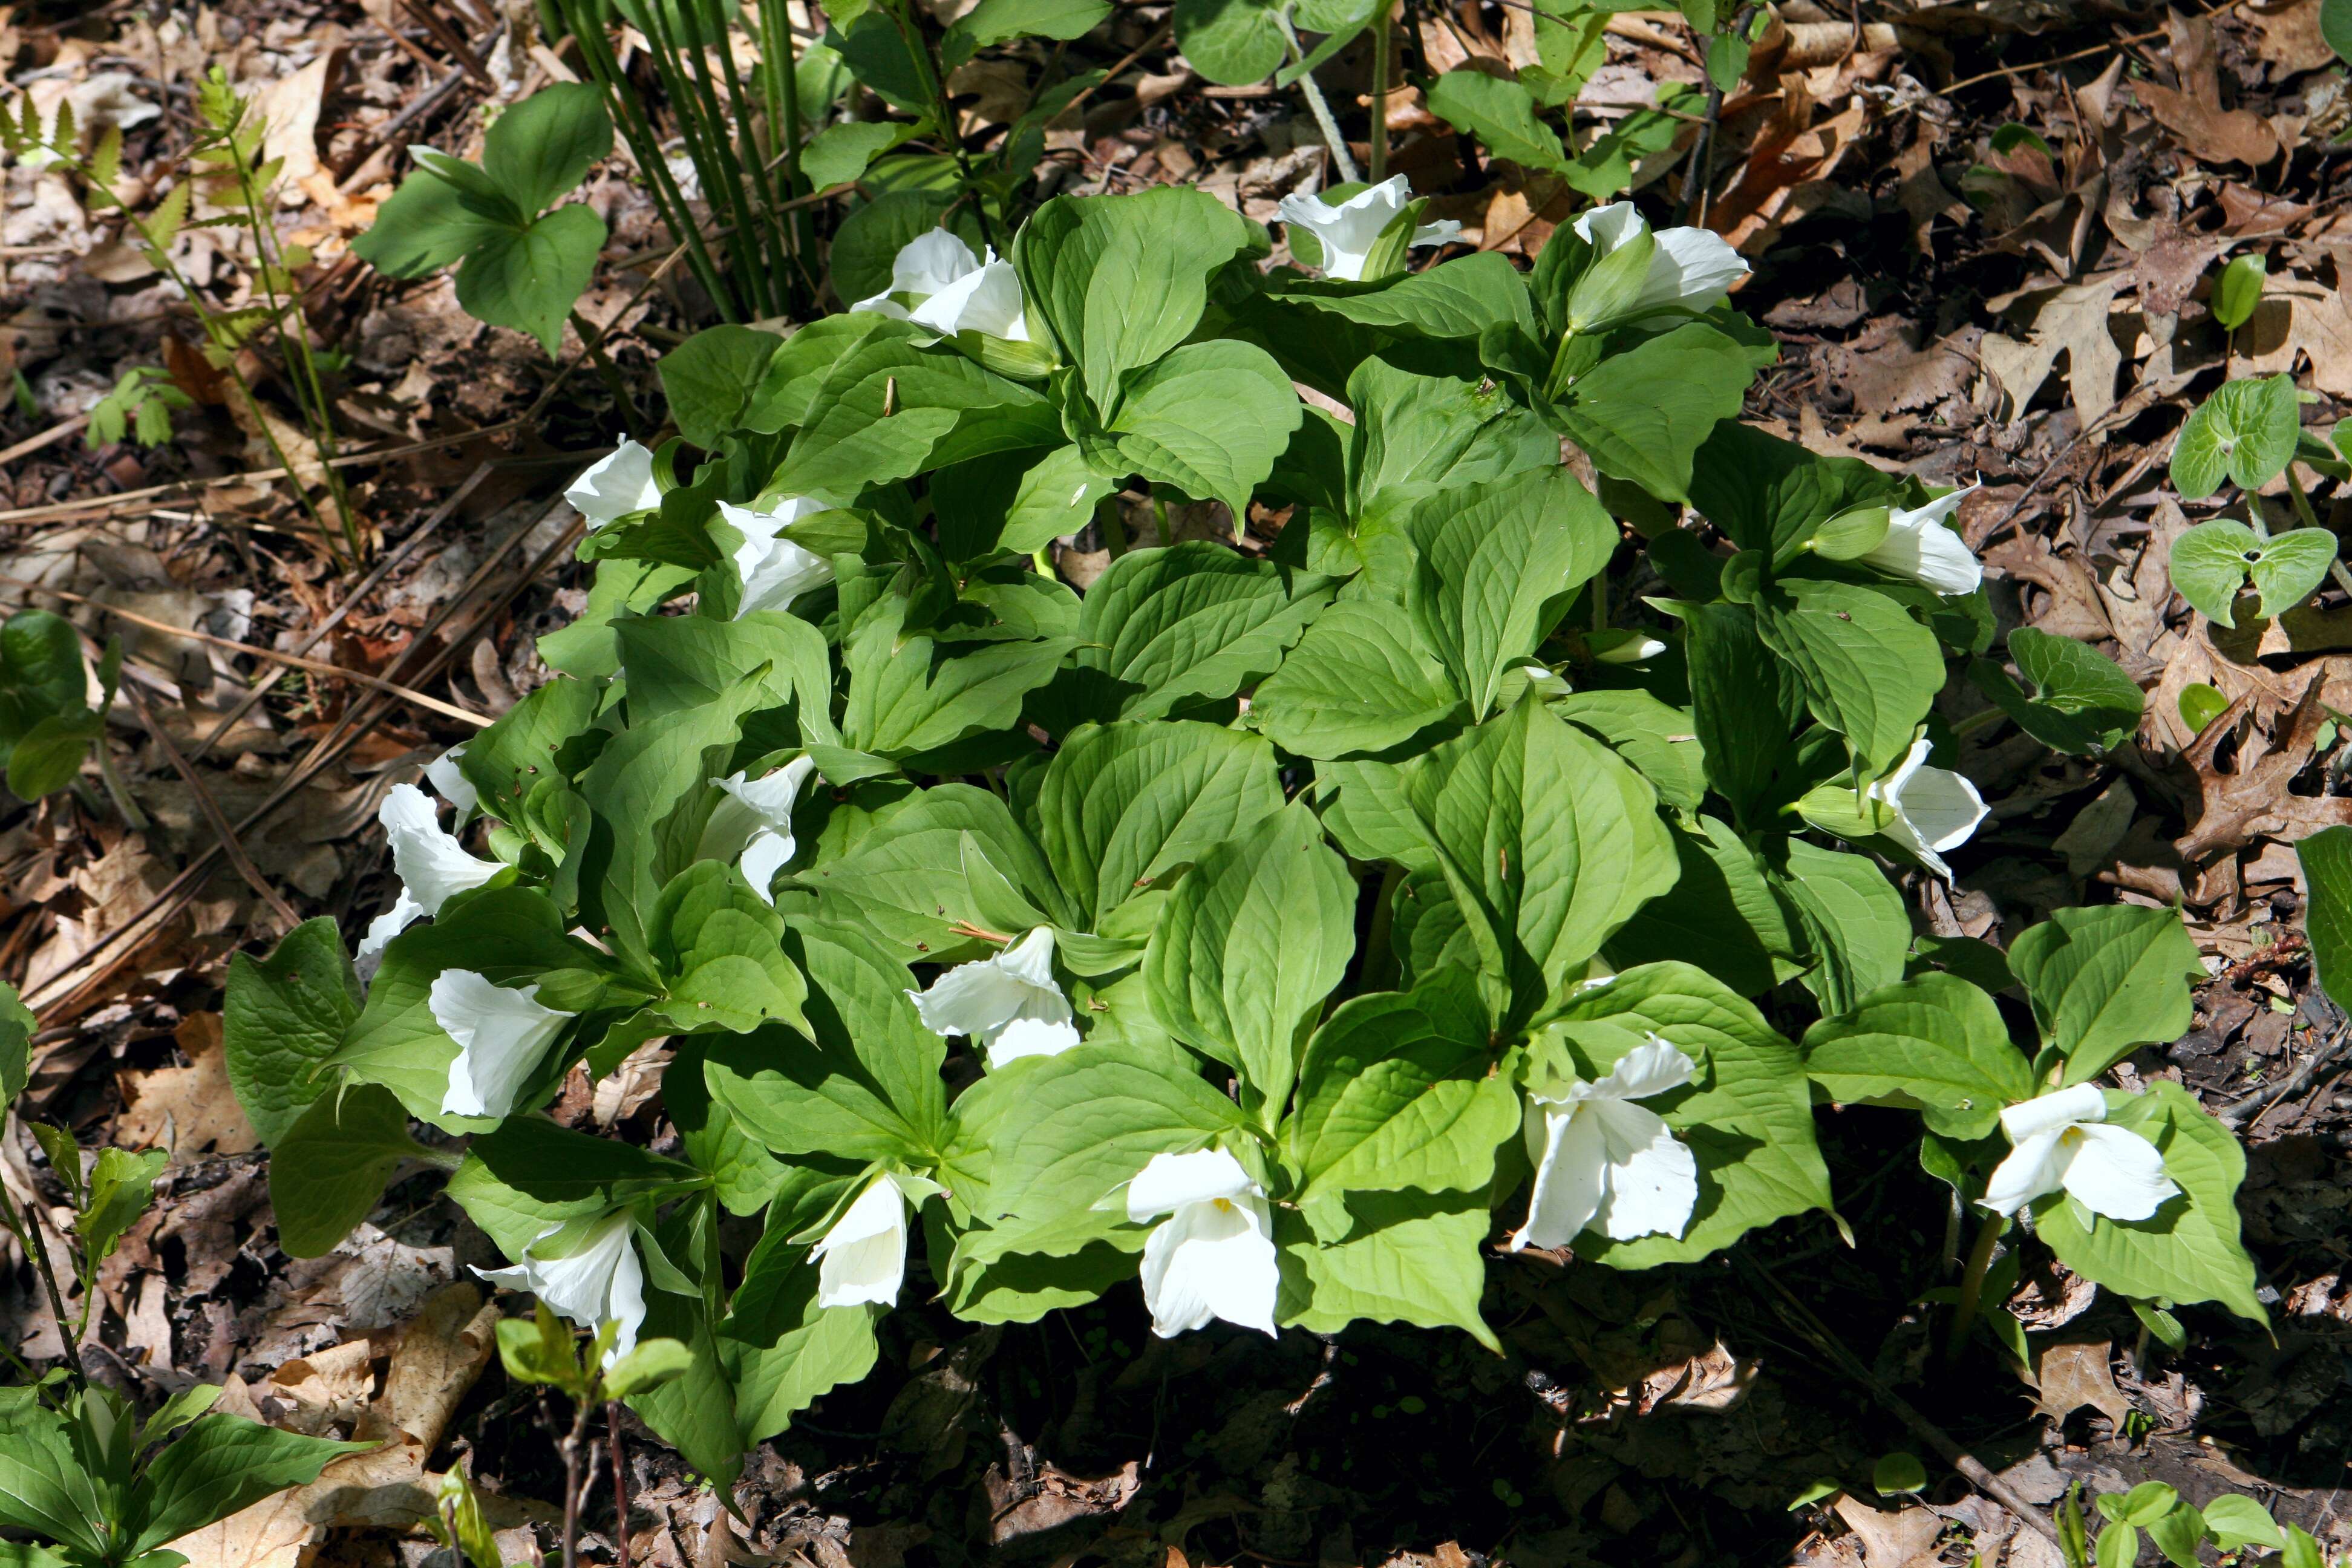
2300,318
2073,1375
442,1351
2288,36
1901,1538
187,1110
2072,320
290,105
2254,801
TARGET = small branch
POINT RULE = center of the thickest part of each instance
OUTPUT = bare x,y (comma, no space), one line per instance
1320,109
2239,1112
620,1486
219,824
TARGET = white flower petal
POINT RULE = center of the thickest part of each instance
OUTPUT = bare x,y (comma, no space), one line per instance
433,866
600,1280
1918,546
1571,1175
615,485
1607,227
1652,1183
1692,268
1170,1181
404,912
452,783
762,858
748,808
774,570
1030,1037
987,300
502,1036
882,305
862,1258
2031,1169
929,262
1653,1066
986,997
2050,1112
2115,1172
1347,229
1213,1258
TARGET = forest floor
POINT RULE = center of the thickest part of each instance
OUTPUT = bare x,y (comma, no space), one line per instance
1983,233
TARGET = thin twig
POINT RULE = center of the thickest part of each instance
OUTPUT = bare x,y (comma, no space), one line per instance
294,661
1970,1468
222,831
2239,1112
1315,104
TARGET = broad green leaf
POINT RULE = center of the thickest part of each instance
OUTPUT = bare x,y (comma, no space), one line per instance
1501,114
1548,842
1118,281
680,662
2244,433
1417,434
710,378
122,1186
216,1467
2212,561
869,240
781,1350
868,1086
1854,918
1123,805
2189,1250
1770,495
1642,415
1397,1092
431,222
530,740
1253,940
2239,289
44,1486
895,406
1721,913
48,756
719,947
2081,702
327,1170
840,153
1747,1117
285,1014
1935,1042
531,1176
1744,705
17,1027
1362,679
1209,419
1086,1120
2327,860
1870,671
1496,564
2335,27
506,933
1405,1257
1230,42
546,144
909,694
743,1174
2105,980
1659,740
1018,1273
1193,622
2239,1522
905,882
530,278
1001,21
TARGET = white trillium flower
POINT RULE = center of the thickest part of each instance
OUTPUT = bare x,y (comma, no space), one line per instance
432,865
1934,809
1690,269
862,1258
1346,230
615,485
1919,546
2058,1141
600,1280
774,570
1603,1163
1214,1255
502,1036
752,822
454,786
953,290
1008,1002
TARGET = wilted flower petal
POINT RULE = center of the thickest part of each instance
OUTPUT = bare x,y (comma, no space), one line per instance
1214,1255
502,1036
600,1280
862,1258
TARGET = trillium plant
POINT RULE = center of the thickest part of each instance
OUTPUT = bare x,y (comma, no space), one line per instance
1463,855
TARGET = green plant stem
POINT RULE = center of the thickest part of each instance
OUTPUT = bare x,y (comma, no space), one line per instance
575,1485
1379,129
1972,1278
1111,523
1343,165
781,80
1983,719
25,1228
592,340
620,1486
922,49
1382,968
698,120
2336,568
1159,517
118,791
